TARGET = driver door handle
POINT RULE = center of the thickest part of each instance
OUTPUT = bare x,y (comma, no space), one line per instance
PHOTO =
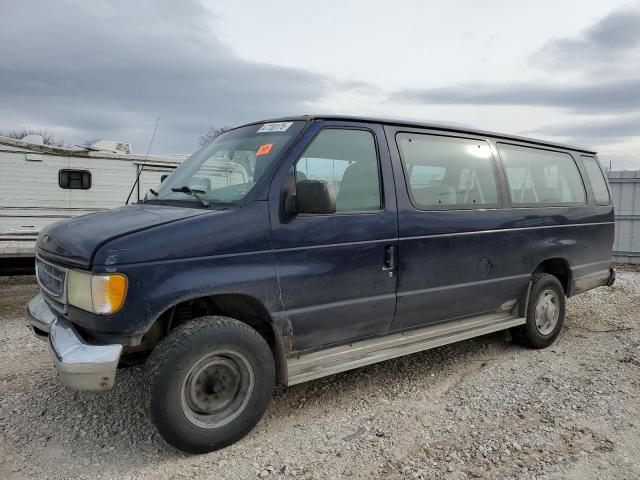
389,258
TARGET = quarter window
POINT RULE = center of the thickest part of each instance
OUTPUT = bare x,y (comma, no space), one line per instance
348,162
447,172
541,176
598,183
74,179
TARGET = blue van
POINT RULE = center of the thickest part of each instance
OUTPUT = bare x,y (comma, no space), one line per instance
337,242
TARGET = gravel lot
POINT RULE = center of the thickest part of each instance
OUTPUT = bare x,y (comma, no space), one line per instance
483,408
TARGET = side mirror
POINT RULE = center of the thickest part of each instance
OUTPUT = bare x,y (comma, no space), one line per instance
311,196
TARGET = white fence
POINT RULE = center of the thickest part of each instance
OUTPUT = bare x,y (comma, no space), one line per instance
625,190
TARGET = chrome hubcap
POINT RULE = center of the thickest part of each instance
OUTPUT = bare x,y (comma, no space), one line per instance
547,311
217,388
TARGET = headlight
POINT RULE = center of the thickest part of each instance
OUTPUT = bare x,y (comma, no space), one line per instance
101,294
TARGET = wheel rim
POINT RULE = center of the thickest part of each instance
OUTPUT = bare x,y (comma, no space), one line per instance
217,388
547,311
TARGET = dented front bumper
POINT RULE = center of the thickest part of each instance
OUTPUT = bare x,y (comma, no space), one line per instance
81,365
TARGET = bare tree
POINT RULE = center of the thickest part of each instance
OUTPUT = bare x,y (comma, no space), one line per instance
91,141
47,137
211,134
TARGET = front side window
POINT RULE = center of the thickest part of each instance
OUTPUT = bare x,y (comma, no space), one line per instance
227,169
447,172
347,160
74,179
598,183
538,176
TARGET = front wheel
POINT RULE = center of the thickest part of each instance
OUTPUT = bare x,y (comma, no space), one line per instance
208,383
545,313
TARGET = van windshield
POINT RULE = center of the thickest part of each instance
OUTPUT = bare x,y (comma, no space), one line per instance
226,170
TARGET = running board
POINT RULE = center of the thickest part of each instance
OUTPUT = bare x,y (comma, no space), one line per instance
310,366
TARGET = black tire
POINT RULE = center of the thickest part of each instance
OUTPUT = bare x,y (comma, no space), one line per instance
531,334
220,349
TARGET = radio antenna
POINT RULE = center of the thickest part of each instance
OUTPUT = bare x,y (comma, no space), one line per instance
145,159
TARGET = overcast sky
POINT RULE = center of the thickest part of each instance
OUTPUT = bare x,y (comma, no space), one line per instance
562,70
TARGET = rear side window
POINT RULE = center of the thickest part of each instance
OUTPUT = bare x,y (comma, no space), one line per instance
74,179
348,161
541,176
598,183
447,172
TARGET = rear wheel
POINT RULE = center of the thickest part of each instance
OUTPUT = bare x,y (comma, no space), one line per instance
545,313
208,383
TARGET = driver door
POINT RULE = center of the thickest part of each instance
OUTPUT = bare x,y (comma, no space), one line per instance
337,271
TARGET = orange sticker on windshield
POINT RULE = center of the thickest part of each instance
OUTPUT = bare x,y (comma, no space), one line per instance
264,149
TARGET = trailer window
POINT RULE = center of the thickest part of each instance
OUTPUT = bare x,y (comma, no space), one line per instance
74,179
538,176
448,172
598,183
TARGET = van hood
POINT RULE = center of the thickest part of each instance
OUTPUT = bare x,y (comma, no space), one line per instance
74,241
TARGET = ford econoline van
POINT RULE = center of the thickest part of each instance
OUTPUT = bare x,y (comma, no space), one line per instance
341,242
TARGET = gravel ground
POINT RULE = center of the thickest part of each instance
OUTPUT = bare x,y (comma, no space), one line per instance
483,408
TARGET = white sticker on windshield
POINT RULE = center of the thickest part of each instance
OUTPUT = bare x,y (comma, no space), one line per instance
274,127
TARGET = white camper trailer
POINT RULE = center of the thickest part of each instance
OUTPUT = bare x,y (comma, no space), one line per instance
40,184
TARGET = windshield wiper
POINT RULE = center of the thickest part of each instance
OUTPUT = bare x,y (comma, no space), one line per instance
194,193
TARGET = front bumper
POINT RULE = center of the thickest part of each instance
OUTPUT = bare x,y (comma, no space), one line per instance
81,365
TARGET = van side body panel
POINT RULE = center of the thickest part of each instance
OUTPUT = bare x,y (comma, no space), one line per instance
458,263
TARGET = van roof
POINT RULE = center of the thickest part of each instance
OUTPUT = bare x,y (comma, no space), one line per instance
431,126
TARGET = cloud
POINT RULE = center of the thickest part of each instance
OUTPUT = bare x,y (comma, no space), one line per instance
612,41
110,68
590,98
596,131
609,49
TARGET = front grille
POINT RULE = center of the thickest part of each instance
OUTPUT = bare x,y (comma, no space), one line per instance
51,279
54,303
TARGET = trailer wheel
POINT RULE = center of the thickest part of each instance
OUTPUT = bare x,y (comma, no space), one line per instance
545,313
208,383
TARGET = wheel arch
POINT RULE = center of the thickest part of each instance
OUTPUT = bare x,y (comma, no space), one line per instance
560,268
241,306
